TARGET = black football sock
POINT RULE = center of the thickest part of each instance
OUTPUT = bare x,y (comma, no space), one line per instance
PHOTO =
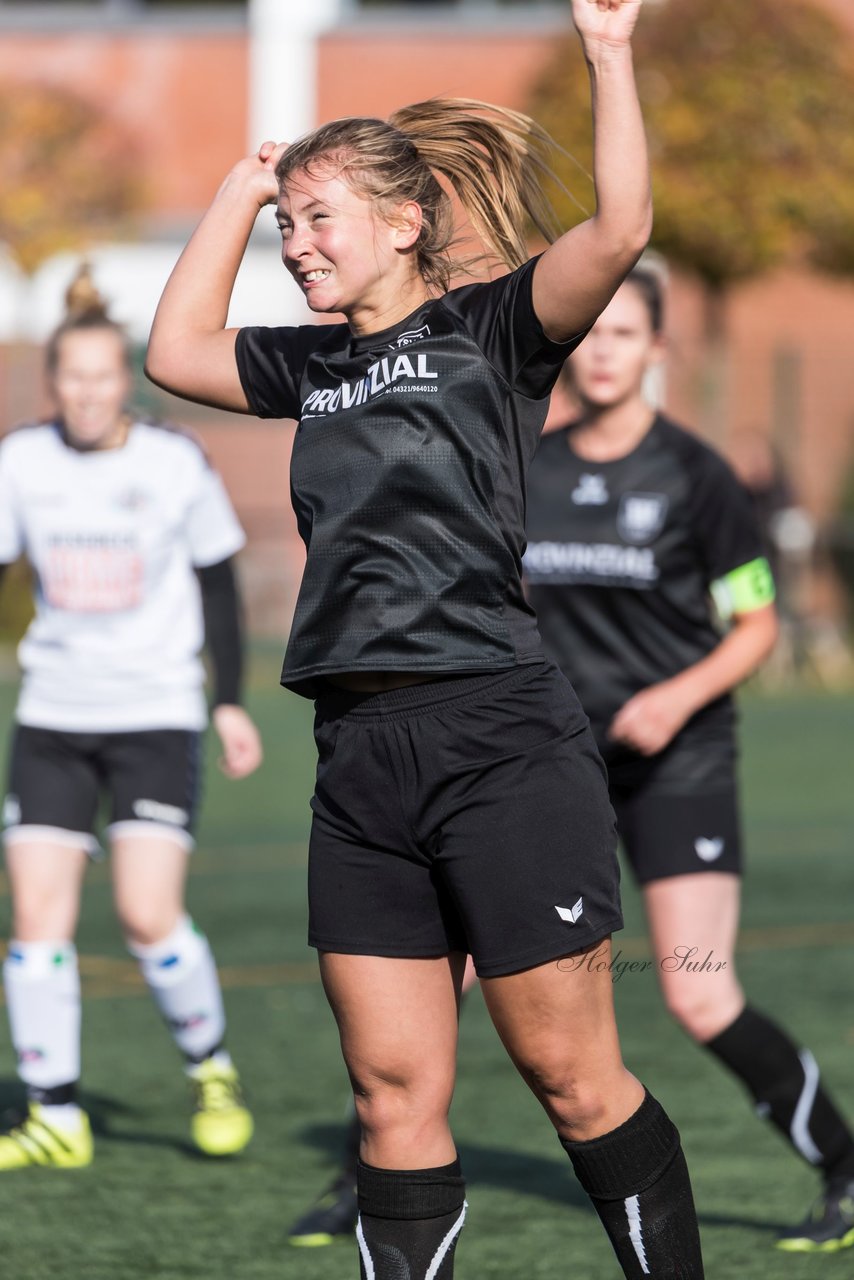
409,1221
784,1082
57,1095
638,1181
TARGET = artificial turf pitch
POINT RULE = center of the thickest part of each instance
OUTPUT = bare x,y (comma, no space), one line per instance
149,1207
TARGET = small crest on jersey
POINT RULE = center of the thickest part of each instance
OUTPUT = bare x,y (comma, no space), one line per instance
591,491
412,335
641,516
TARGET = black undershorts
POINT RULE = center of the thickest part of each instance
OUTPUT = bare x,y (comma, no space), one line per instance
149,777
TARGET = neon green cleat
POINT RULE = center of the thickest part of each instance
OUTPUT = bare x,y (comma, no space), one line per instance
830,1225
221,1124
334,1214
30,1141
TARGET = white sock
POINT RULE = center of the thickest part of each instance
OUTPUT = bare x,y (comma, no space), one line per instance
42,984
182,977
64,1116
221,1057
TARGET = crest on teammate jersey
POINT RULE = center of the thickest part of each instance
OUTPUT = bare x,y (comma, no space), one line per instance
641,516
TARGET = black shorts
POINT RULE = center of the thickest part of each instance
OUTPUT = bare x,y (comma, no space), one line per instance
56,780
465,814
678,812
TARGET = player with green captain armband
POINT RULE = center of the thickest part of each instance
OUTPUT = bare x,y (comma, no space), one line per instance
633,523
744,589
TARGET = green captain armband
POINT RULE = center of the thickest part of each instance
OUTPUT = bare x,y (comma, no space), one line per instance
744,589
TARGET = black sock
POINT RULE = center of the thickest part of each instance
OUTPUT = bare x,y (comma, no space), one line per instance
196,1059
638,1181
784,1082
57,1095
409,1221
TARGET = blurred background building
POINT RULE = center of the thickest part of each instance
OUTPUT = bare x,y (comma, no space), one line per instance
141,106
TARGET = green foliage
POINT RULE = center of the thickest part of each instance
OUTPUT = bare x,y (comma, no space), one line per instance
69,173
750,114
16,602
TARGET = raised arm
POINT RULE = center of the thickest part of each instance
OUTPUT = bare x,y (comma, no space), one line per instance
577,276
190,351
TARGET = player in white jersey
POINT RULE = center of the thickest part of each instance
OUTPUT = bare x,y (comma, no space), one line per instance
129,533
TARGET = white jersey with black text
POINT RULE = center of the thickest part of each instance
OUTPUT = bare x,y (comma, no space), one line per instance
113,537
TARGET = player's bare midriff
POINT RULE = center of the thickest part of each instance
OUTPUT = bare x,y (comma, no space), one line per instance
378,681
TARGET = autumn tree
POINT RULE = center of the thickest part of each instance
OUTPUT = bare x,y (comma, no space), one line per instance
750,115
69,174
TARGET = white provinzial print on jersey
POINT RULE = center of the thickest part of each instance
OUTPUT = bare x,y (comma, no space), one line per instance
608,562
114,538
391,373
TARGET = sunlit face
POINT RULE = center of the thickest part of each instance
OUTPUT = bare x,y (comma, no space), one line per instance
608,368
344,257
91,384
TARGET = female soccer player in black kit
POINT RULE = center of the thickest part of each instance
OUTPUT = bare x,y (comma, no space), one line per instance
460,804
632,524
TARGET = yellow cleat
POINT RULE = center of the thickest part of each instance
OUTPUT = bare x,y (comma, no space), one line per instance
32,1141
221,1124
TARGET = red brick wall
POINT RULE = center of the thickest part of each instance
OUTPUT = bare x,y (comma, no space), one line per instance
181,97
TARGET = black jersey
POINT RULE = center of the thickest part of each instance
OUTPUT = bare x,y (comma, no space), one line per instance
621,558
407,479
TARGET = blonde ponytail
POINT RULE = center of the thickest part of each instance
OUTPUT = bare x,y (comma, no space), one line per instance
495,160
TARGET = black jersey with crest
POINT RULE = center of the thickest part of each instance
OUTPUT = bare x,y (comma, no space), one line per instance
620,559
407,479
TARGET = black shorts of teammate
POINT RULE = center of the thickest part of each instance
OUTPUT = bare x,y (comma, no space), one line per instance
465,814
678,812
56,779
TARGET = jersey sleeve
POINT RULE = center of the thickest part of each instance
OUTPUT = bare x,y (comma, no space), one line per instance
500,316
728,537
213,530
270,363
11,528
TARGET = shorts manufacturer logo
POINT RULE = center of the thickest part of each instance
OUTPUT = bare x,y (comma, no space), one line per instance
709,848
11,811
571,914
640,516
154,811
133,499
591,491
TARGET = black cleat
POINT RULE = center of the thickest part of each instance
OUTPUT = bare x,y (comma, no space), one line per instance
830,1225
334,1214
